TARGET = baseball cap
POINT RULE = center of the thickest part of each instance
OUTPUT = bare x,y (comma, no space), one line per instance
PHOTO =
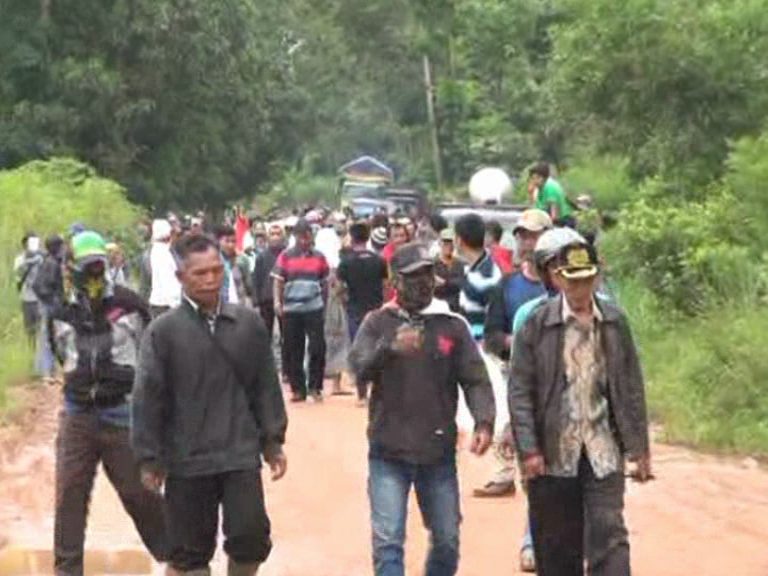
410,258
447,235
533,220
578,261
88,247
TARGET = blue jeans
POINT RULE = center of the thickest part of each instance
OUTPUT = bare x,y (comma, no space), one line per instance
437,492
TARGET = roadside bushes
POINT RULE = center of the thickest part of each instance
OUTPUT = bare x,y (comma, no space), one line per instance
47,197
693,276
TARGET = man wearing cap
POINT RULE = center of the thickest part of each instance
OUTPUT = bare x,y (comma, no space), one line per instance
417,354
449,271
511,293
301,292
96,337
577,402
165,290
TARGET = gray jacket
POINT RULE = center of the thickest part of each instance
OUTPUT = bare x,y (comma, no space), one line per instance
537,382
190,416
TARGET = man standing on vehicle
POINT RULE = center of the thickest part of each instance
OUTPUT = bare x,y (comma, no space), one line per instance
97,336
206,408
550,196
417,354
301,292
577,403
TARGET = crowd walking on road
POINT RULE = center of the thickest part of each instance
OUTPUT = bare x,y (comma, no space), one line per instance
175,363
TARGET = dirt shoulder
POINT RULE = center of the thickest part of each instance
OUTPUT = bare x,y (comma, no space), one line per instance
704,514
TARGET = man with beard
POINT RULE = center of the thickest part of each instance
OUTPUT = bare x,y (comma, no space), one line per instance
417,354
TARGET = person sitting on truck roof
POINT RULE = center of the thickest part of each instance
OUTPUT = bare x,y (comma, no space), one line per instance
551,197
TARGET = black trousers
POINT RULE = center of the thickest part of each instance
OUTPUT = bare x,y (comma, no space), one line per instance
82,442
300,328
568,514
193,518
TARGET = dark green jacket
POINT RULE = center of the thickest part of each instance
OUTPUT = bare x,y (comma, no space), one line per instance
537,382
190,415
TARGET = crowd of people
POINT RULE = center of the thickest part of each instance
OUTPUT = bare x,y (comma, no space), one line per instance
173,369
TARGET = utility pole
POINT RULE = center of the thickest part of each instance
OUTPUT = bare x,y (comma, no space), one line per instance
436,155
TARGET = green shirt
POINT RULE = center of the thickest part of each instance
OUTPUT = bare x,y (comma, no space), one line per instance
552,193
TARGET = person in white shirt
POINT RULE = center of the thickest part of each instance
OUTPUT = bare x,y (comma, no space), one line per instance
166,290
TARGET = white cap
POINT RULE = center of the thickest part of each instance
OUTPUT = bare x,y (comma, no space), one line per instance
161,230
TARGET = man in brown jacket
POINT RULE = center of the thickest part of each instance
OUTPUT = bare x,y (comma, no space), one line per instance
577,404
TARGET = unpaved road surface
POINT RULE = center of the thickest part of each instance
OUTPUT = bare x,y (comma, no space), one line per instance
703,516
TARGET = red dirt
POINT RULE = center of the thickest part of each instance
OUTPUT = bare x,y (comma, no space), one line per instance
703,515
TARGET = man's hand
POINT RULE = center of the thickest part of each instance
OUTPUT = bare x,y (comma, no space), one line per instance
533,466
481,441
152,479
439,281
279,309
407,340
642,472
278,464
507,443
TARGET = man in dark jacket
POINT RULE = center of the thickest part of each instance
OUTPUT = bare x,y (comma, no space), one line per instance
207,406
449,271
417,354
97,339
263,295
577,403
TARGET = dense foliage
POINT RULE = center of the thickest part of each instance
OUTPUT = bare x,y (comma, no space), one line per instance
46,198
658,109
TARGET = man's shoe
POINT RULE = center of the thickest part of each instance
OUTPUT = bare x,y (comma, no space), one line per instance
296,397
527,560
496,490
317,396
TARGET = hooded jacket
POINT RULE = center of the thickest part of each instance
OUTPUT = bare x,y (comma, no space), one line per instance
98,345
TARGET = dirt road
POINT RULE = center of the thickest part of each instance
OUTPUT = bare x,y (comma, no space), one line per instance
703,516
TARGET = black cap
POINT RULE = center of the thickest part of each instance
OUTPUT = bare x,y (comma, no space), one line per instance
302,227
410,258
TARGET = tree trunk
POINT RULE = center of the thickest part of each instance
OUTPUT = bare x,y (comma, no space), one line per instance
436,154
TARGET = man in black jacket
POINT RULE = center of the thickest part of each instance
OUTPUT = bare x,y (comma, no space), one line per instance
418,353
207,406
96,337
577,402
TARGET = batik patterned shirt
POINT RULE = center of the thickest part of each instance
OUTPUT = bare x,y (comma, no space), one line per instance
584,410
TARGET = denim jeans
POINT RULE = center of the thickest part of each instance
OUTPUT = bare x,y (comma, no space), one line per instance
437,492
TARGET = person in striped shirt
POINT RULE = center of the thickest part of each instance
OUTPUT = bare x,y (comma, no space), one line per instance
482,274
301,293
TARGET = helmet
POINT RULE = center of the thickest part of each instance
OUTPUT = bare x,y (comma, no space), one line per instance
88,247
551,243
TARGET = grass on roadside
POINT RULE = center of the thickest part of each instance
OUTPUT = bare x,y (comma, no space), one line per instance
707,377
